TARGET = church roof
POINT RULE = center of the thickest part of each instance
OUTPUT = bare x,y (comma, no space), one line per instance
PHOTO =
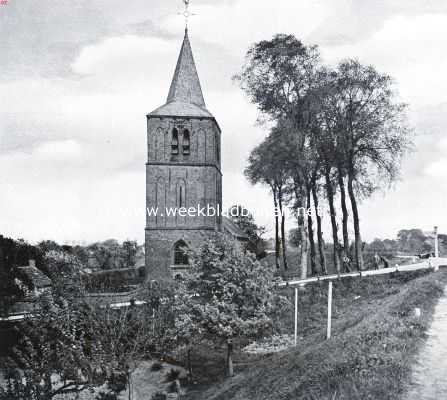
181,109
185,98
231,228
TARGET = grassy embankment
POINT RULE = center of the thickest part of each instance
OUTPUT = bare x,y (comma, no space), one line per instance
376,336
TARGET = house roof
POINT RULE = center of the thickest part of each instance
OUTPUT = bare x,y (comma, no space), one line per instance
185,97
36,277
231,228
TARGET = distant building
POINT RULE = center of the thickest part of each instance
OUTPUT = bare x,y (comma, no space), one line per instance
33,280
35,285
233,230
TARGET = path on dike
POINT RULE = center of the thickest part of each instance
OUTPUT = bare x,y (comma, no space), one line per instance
429,374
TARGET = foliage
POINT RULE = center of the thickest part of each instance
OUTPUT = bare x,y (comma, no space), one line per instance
37,360
332,128
161,298
110,254
65,271
14,253
172,375
413,241
226,294
98,346
273,73
295,237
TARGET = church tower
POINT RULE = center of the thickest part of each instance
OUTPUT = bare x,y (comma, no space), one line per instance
183,171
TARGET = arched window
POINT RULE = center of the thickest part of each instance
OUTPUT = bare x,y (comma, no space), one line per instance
181,196
201,145
174,142
180,253
181,193
159,150
186,142
160,201
216,142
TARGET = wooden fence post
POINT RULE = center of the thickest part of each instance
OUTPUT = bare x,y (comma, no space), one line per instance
296,315
329,310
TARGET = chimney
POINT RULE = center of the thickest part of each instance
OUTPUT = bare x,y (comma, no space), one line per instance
32,263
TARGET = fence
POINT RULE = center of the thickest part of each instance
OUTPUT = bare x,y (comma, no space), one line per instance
431,263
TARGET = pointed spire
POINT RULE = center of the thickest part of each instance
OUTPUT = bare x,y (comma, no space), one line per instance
185,85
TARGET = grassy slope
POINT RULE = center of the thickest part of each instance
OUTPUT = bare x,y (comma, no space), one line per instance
375,339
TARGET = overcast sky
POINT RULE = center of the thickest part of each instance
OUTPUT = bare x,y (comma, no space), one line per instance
78,77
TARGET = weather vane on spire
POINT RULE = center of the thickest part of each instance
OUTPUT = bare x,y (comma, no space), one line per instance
186,13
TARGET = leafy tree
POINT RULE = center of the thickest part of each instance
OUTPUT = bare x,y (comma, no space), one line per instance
226,295
342,129
54,357
48,245
104,254
70,347
316,189
266,168
370,133
65,271
413,241
295,237
129,252
280,76
111,255
125,337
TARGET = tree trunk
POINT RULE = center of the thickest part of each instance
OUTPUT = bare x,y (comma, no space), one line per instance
355,215
344,209
319,232
189,364
313,264
330,196
275,202
283,230
304,241
230,358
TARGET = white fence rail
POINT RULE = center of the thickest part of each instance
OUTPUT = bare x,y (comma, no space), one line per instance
431,263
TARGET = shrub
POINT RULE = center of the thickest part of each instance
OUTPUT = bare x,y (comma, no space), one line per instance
118,382
172,375
159,396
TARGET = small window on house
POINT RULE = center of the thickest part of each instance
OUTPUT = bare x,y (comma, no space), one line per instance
174,142
186,142
180,253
